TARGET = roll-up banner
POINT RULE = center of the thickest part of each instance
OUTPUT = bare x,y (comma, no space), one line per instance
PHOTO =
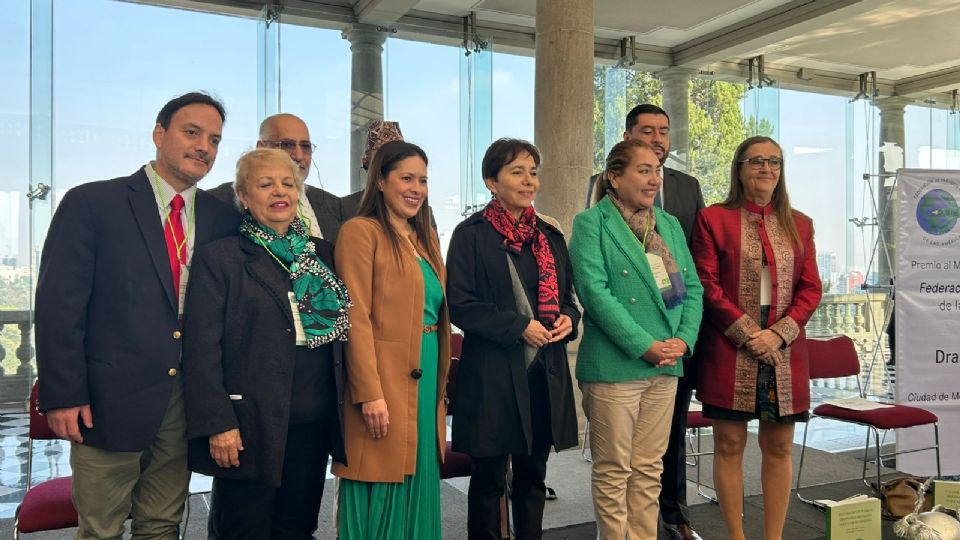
928,314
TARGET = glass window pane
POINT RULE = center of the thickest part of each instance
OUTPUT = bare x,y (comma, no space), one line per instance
117,63
15,248
14,153
513,77
315,85
426,102
928,136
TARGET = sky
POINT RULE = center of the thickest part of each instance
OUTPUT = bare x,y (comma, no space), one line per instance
116,63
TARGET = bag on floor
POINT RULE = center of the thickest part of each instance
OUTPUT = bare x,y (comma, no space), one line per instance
899,497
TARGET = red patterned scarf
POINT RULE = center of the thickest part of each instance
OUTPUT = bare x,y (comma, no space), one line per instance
517,232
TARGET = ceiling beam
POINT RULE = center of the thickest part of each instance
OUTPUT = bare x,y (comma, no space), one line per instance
767,28
928,83
382,11
519,39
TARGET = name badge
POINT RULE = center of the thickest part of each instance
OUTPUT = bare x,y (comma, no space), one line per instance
182,293
297,323
660,275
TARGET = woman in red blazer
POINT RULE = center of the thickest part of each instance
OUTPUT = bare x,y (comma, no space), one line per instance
757,262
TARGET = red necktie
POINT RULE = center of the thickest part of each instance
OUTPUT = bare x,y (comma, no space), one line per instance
176,241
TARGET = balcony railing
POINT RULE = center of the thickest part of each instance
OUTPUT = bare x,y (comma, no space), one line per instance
15,380
859,316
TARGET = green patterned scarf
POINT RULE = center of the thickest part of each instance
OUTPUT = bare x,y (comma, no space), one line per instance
321,297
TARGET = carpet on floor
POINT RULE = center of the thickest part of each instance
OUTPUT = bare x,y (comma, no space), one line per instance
804,521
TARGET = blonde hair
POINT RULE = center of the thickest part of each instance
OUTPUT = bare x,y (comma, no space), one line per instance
258,158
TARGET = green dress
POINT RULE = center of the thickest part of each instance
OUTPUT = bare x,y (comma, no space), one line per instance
411,510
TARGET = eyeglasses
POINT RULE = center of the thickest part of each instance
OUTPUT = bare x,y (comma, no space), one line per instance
289,144
758,162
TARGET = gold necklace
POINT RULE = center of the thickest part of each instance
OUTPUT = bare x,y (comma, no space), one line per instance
413,247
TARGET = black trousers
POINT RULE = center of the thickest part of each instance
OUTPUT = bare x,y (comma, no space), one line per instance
673,481
527,490
252,510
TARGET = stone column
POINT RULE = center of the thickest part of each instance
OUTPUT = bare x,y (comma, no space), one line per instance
563,105
891,134
676,101
366,91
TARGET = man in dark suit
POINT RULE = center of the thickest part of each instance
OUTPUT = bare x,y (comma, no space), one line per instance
108,309
290,134
680,196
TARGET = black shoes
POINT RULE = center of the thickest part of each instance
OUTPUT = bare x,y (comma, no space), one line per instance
681,531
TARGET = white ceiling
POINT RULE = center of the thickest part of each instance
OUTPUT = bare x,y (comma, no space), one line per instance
902,40
912,45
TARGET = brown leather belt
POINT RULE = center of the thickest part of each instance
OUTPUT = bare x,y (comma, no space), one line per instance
429,328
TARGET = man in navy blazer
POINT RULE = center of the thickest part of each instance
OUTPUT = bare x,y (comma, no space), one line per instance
108,331
681,197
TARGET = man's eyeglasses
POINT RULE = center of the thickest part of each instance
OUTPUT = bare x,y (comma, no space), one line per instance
757,162
287,145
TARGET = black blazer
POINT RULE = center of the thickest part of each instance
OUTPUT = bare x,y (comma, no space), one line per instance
325,205
239,340
492,410
683,198
106,312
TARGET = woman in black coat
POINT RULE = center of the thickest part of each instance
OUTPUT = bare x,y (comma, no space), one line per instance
510,290
265,320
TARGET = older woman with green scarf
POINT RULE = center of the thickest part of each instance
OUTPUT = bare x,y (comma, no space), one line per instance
264,325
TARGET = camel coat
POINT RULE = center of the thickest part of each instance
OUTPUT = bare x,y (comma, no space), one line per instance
383,351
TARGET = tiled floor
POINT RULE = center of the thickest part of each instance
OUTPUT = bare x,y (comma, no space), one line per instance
50,460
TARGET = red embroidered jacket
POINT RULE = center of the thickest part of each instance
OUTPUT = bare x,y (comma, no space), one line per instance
728,248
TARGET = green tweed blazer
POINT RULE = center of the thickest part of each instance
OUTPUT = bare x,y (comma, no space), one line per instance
624,312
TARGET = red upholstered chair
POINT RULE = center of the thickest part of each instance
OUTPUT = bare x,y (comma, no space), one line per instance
837,357
695,423
456,347
48,505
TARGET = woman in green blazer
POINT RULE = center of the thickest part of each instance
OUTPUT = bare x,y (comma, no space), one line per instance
642,305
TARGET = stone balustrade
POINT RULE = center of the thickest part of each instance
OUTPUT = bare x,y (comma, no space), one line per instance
861,317
15,386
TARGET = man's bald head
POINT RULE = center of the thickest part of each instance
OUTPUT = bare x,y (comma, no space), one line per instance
289,133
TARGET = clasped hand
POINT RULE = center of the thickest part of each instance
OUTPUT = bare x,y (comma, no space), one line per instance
665,353
538,336
765,346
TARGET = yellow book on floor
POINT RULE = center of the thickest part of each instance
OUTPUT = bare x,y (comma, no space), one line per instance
853,518
947,494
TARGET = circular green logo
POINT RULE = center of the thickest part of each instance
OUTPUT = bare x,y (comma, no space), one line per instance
937,212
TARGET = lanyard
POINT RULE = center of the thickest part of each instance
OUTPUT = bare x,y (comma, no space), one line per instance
260,241
179,245
646,230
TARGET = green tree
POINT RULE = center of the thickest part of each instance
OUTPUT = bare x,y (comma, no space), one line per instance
717,124
716,128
